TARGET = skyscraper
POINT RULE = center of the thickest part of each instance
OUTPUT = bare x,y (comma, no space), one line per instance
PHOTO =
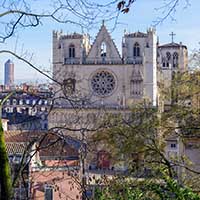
9,73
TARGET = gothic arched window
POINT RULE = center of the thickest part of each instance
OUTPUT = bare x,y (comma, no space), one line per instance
71,51
175,59
136,50
103,49
168,56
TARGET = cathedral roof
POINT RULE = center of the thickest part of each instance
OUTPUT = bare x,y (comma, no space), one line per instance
72,36
136,34
172,45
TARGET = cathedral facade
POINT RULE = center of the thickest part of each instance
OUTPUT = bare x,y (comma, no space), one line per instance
99,72
95,75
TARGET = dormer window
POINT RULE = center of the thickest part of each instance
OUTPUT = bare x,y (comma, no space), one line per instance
71,51
103,49
136,50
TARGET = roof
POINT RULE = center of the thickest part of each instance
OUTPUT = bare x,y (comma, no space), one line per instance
15,148
72,36
172,45
51,145
136,34
9,62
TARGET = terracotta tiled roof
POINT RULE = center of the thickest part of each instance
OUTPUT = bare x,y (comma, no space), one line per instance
50,145
17,136
15,148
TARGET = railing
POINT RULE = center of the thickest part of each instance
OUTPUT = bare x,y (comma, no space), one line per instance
103,61
72,61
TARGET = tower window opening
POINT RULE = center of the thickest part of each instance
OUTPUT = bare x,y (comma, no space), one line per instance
168,56
175,59
71,51
136,50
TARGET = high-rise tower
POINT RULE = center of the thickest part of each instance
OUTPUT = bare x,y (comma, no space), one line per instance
9,73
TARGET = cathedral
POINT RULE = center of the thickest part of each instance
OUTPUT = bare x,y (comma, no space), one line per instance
91,77
96,74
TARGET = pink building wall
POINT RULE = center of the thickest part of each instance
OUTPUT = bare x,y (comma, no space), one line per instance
64,185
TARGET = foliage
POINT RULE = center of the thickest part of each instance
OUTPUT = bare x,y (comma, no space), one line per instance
5,174
146,190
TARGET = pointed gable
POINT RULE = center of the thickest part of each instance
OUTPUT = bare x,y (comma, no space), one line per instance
103,48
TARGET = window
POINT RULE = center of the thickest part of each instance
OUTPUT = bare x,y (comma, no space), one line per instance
40,102
175,59
14,101
48,192
136,50
173,145
103,83
8,102
20,102
103,49
168,56
17,159
33,102
71,51
27,101
163,64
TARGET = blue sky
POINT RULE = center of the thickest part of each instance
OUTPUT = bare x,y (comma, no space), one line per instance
38,41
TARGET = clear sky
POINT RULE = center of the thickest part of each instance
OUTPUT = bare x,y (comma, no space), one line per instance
38,41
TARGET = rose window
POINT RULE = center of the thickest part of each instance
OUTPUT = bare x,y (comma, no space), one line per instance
103,83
